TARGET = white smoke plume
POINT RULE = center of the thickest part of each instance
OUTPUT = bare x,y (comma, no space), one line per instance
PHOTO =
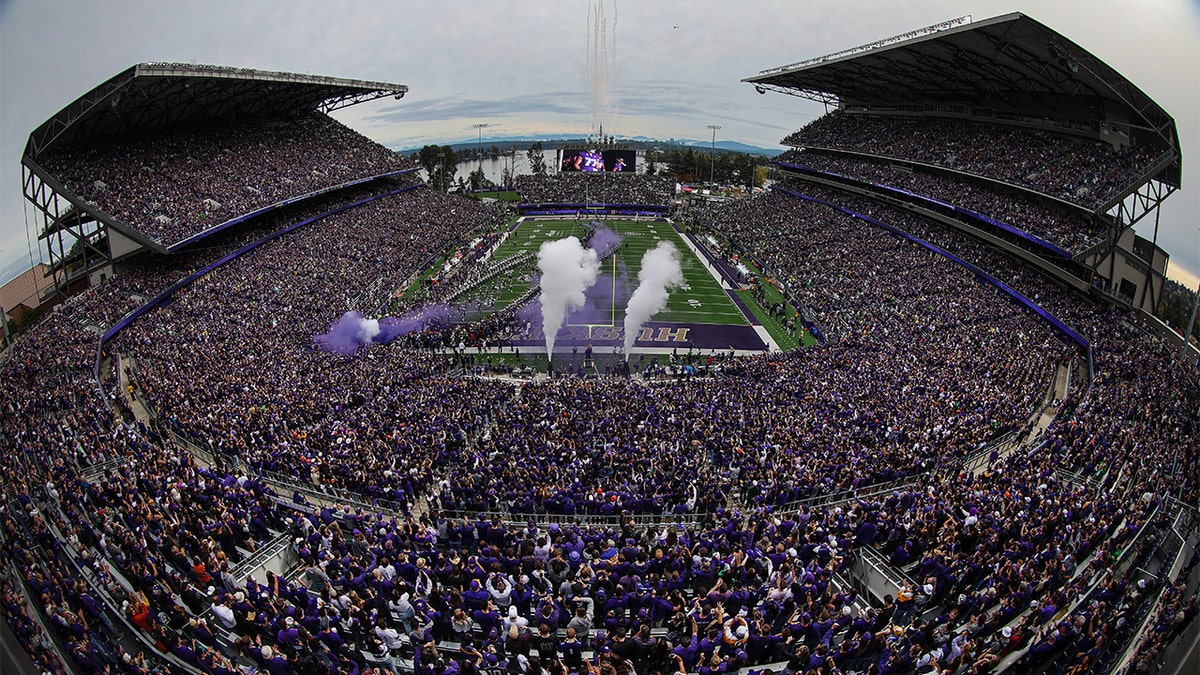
568,271
367,330
601,51
660,273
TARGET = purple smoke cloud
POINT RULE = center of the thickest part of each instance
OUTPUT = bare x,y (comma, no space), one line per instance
349,332
352,330
604,241
602,298
597,306
392,327
530,314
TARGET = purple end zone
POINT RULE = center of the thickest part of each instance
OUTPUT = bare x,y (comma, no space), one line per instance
654,334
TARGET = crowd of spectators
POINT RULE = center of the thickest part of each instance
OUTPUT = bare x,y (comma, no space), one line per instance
1070,230
1095,438
106,303
57,422
730,593
380,426
1141,381
173,184
587,188
774,432
1176,612
722,572
627,474
1081,171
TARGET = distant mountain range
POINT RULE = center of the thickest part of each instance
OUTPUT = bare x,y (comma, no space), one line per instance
640,142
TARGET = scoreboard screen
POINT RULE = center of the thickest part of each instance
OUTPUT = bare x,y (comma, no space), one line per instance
596,160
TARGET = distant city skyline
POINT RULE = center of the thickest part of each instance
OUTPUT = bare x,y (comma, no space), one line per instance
535,68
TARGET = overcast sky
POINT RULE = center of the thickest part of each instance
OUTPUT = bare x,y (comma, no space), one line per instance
521,66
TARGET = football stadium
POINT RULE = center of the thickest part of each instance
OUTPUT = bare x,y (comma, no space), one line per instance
908,409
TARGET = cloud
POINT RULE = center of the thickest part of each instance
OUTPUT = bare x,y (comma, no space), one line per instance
522,65
452,108
1183,275
677,101
15,255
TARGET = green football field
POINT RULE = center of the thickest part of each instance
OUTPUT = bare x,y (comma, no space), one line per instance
699,300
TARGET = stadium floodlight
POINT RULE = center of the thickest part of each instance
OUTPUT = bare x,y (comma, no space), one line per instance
712,155
480,126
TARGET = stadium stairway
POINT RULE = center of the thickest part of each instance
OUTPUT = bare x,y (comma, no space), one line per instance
14,659
44,638
1058,393
124,363
1039,421
125,633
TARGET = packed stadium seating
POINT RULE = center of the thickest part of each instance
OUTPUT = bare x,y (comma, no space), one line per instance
173,185
1066,229
448,524
390,580
587,188
1082,172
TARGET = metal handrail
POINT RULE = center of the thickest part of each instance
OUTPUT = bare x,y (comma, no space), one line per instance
1101,575
110,604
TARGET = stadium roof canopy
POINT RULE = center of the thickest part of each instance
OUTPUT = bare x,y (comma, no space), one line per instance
1009,66
152,95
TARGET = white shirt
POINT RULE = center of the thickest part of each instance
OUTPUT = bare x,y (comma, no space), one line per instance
390,637
224,614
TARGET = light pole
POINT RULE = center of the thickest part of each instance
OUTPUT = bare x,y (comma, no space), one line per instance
479,127
713,154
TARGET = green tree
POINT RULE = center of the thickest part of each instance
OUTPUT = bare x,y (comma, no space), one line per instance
476,180
651,165
683,164
449,166
537,162
744,169
430,159
440,164
1175,305
724,167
